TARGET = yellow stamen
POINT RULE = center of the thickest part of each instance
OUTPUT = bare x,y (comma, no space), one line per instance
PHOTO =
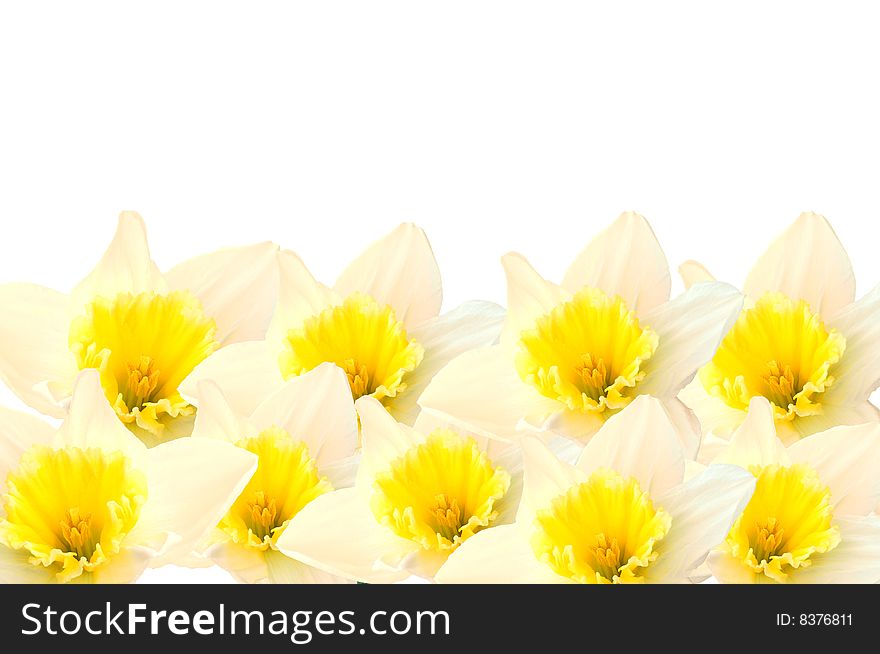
440,493
778,349
71,509
363,338
587,353
602,531
787,521
285,481
144,345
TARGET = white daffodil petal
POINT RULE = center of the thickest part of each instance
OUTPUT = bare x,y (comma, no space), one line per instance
469,326
215,418
236,286
246,565
398,270
337,533
755,441
246,373
16,569
626,260
192,483
574,425
544,478
384,439
856,560
806,262
91,422
341,473
284,570
639,442
702,510
123,568
833,415
689,328
481,391
529,296
713,413
857,374
848,461
500,555
693,272
18,433
34,350
686,424
299,296
316,408
728,570
126,266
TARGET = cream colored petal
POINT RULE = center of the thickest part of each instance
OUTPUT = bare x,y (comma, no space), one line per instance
317,408
469,326
833,415
806,262
711,448
574,425
246,565
215,418
687,426
342,473
123,568
126,266
15,569
693,272
714,415
18,433
34,354
247,373
236,286
337,533
192,482
625,259
690,328
703,511
480,391
299,297
91,422
500,555
384,439
848,462
856,560
728,570
755,442
529,296
857,375
399,270
544,478
640,441
284,570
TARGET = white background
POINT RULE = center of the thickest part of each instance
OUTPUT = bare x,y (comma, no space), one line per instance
494,125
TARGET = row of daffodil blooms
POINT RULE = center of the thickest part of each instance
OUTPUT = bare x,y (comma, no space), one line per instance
236,411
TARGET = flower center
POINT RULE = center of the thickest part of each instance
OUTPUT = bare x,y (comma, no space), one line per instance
363,338
787,520
71,509
285,481
144,345
779,349
587,352
601,531
440,493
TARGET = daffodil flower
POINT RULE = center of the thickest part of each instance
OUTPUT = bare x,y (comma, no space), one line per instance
144,331
801,341
305,435
622,514
572,356
379,323
89,503
809,520
420,493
